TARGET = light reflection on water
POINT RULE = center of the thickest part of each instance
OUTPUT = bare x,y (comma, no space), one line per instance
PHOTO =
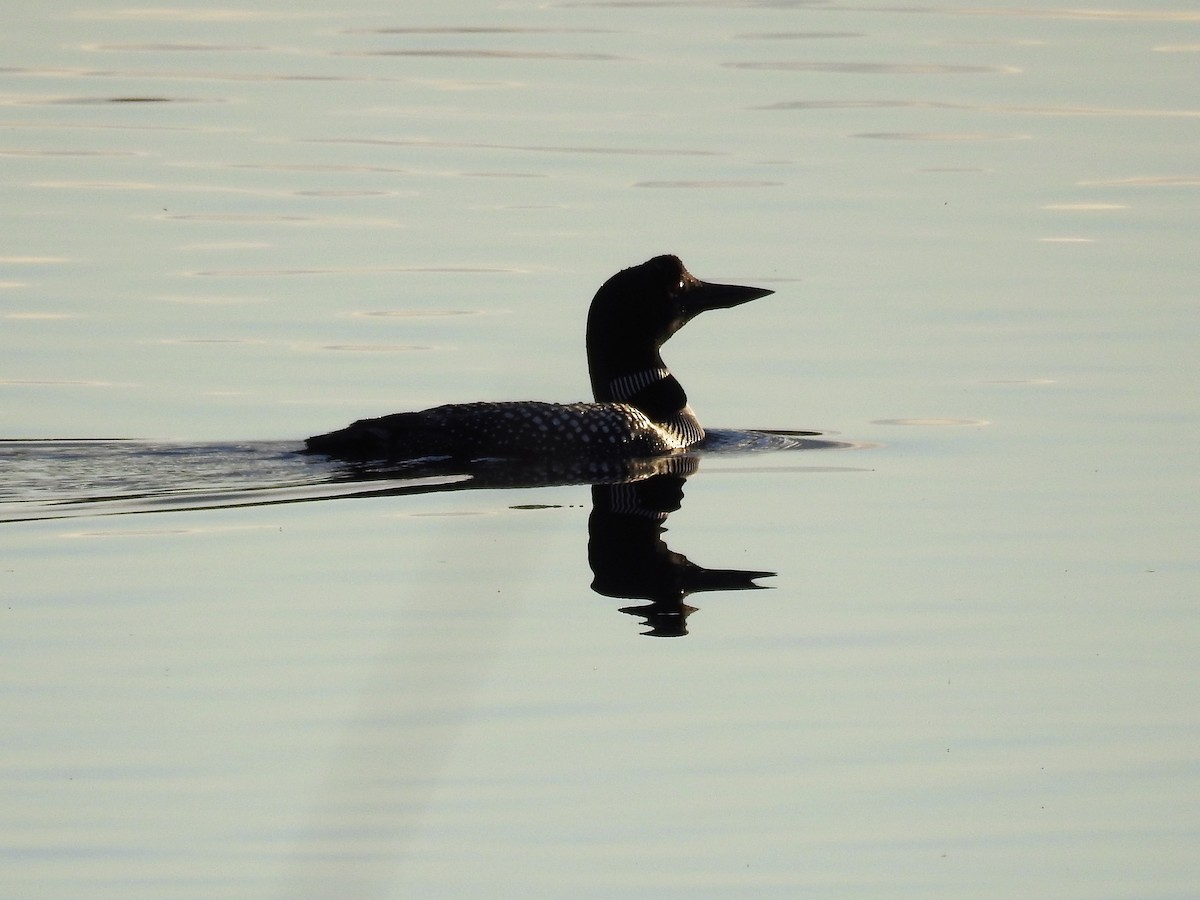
973,675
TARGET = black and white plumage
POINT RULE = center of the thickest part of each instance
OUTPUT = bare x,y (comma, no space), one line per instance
640,409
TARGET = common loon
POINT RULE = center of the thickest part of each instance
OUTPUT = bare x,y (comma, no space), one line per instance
639,410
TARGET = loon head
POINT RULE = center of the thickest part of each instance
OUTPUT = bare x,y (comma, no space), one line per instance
638,309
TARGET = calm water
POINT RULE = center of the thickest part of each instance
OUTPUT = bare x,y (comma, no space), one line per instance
230,671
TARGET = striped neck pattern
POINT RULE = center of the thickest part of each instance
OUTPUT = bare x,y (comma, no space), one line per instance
624,387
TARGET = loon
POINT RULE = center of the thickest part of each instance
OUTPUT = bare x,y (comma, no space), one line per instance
640,410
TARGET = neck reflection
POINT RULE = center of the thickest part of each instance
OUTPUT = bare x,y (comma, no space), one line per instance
631,560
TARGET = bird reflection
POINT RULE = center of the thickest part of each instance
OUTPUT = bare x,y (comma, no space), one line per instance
630,559
631,499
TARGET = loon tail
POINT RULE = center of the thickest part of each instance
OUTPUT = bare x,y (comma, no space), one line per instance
390,435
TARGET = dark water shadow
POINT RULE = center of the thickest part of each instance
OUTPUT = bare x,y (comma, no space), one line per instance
56,479
631,499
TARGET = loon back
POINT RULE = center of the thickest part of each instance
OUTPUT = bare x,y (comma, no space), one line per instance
641,409
516,429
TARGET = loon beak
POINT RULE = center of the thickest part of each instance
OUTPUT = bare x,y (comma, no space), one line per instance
705,296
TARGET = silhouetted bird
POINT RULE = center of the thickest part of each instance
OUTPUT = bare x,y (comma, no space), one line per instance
640,409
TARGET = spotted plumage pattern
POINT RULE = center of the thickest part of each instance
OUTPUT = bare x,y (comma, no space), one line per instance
516,429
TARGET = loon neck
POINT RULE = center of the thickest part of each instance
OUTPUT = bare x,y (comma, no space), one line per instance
624,388
654,391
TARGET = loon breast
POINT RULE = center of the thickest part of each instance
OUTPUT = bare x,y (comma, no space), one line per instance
517,429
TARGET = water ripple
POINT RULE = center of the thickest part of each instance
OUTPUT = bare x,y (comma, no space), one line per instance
531,148
356,270
477,29
719,183
59,479
945,136
872,68
488,54
100,101
175,47
1066,111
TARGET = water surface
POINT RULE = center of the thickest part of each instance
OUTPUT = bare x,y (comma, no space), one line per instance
231,671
